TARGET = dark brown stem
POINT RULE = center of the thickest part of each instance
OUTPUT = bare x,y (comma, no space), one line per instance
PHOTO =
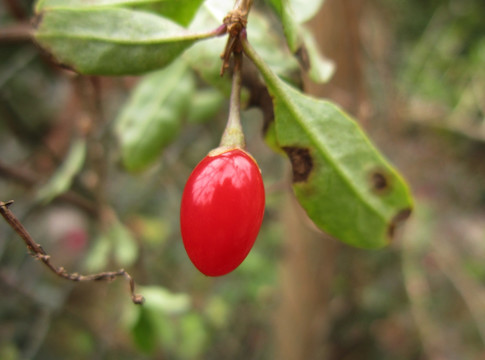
39,253
235,22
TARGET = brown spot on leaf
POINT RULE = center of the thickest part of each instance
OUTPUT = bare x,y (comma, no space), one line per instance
301,161
380,181
396,220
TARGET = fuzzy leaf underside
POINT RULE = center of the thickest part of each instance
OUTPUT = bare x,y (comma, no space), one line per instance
111,41
151,118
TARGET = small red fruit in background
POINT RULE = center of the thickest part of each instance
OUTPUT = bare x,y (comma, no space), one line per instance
222,210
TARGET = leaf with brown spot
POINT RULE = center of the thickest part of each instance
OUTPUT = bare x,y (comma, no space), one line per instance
301,162
342,181
379,181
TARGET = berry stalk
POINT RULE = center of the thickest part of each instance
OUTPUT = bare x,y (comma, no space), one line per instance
233,136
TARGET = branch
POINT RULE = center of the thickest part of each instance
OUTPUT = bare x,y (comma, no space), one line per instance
15,33
39,253
235,23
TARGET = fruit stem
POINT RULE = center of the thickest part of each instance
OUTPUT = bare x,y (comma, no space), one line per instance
235,22
233,136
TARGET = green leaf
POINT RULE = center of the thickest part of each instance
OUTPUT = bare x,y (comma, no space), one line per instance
114,241
194,336
301,42
319,68
204,105
98,256
144,332
299,10
180,11
290,25
161,300
125,247
204,57
112,41
151,118
62,179
271,47
345,185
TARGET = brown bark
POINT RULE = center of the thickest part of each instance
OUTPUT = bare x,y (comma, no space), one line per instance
306,275
302,318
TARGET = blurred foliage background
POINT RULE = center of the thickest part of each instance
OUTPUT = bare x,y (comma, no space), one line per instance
412,72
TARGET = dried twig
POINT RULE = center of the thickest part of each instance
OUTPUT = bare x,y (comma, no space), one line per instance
39,253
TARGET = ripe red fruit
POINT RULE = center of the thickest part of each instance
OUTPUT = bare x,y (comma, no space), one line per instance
222,210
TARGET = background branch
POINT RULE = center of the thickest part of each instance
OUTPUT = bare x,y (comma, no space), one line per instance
39,253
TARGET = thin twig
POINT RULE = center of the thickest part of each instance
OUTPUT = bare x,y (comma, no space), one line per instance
39,253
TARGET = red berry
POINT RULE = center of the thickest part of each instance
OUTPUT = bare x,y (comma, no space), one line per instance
222,210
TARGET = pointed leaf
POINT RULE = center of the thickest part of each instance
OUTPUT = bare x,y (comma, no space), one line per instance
319,68
151,118
111,41
300,41
61,181
180,11
345,185
290,25
270,45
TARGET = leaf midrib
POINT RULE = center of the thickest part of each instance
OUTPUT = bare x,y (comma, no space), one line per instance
159,41
292,107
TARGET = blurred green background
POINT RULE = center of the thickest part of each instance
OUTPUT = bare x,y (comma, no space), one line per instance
412,72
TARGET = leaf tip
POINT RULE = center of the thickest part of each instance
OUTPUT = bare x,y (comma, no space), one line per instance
398,219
